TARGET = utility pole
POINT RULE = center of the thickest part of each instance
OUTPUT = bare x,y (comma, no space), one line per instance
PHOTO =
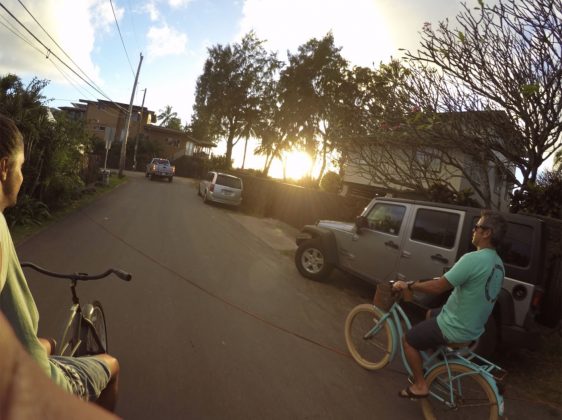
124,144
138,131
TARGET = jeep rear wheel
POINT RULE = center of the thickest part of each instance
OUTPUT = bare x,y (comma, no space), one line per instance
311,261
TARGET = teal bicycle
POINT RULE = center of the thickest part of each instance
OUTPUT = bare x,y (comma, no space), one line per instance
462,385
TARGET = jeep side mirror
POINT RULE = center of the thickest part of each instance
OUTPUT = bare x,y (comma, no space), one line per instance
361,222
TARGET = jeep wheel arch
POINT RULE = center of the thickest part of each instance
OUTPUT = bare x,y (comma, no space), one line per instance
326,238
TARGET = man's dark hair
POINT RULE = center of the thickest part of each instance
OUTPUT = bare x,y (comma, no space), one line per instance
11,140
497,224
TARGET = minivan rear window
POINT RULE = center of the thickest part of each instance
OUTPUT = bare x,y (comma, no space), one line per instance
437,228
229,181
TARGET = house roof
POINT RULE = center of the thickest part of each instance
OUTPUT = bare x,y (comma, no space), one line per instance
119,105
171,131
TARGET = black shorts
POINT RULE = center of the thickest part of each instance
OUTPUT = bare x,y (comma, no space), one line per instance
427,334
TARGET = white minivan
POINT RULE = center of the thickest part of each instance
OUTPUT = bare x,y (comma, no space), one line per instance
221,188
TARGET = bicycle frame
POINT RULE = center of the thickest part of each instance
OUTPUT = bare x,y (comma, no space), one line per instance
82,322
484,368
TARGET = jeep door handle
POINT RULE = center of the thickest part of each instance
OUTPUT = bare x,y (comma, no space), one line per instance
391,244
440,258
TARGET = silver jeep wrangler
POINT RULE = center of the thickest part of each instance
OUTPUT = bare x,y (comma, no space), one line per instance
404,239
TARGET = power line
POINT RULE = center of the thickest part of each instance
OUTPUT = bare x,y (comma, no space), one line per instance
17,33
49,53
55,42
120,36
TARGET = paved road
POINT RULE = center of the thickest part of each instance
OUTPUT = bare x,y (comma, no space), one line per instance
217,323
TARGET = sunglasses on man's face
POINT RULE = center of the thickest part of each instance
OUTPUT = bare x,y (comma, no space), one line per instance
476,227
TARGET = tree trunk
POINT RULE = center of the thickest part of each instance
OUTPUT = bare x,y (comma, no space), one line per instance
245,149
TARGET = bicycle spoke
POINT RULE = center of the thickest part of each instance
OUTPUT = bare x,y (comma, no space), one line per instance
368,339
459,393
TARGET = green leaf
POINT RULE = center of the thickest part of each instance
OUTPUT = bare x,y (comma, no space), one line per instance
461,36
529,90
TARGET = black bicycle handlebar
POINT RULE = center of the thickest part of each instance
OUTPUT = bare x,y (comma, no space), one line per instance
123,275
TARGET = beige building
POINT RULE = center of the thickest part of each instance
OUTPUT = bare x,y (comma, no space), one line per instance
362,179
106,120
176,143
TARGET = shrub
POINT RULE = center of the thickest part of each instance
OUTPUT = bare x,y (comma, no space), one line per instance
331,182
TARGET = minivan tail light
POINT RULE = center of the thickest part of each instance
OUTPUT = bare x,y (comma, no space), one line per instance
212,187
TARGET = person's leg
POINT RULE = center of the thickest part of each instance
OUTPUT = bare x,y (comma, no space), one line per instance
108,397
423,336
413,356
27,393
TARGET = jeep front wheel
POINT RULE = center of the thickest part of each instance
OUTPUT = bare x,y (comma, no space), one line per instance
311,261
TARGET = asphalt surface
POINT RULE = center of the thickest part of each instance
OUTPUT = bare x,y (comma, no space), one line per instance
217,323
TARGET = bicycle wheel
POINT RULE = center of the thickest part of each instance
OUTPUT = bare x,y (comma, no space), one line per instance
467,395
96,326
69,337
368,341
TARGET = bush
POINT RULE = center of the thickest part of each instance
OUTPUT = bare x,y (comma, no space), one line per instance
543,197
331,182
28,211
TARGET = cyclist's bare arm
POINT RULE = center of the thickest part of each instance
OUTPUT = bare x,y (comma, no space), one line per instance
434,286
22,382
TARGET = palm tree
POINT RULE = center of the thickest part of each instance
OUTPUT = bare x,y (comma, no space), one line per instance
166,115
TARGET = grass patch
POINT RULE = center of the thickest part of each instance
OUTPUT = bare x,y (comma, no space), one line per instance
90,194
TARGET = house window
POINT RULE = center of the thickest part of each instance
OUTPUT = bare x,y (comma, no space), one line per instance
429,159
473,171
189,148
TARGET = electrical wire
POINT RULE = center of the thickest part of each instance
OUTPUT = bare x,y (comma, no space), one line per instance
17,33
49,53
55,42
120,36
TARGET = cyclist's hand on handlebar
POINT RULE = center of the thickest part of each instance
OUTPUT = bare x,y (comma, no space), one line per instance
399,285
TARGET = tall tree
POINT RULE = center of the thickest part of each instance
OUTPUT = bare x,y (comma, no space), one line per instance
230,90
311,90
507,58
482,97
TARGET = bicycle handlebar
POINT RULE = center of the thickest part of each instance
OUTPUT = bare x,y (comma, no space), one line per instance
123,275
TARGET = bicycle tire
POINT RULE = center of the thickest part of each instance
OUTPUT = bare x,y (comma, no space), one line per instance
96,317
478,399
69,337
371,352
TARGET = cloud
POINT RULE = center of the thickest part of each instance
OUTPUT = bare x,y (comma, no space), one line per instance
101,14
77,36
178,3
152,11
164,41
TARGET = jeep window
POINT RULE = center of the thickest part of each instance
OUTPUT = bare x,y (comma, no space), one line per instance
386,218
437,228
517,244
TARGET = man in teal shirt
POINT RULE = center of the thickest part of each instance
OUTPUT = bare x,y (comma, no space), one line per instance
476,280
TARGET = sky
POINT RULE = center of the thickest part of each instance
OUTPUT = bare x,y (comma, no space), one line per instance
174,35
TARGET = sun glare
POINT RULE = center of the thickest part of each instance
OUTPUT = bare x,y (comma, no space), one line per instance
296,167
